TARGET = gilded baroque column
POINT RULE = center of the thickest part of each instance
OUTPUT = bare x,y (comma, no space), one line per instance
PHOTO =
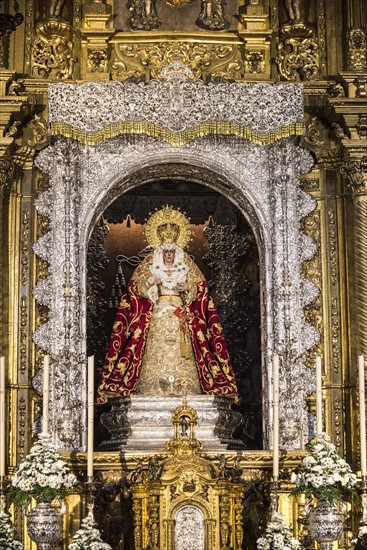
138,510
238,513
225,508
355,173
169,525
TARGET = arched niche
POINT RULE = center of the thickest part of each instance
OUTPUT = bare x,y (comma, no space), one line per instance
225,249
262,181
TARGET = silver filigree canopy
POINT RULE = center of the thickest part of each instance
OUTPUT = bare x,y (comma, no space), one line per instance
93,106
263,181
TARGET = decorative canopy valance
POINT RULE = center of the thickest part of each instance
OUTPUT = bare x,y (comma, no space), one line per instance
176,112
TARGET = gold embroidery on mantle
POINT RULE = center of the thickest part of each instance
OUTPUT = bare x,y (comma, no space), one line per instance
165,367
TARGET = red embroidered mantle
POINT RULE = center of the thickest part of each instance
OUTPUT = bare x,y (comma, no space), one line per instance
120,374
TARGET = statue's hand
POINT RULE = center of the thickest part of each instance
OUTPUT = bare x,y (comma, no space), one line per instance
181,287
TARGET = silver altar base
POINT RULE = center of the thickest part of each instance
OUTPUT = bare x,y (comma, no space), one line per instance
326,524
145,423
44,524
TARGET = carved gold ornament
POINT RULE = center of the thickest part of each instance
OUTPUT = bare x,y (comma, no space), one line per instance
255,61
39,130
357,49
168,225
178,3
298,53
52,51
215,59
97,61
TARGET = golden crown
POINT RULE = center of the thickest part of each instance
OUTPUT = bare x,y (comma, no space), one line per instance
156,227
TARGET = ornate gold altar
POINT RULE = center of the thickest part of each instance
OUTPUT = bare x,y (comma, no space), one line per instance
110,109
177,506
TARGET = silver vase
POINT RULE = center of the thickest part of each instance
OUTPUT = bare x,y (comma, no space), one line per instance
44,524
326,524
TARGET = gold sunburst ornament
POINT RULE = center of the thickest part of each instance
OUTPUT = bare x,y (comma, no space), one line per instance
168,225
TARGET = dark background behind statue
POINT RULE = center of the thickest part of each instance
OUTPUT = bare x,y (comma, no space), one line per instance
224,248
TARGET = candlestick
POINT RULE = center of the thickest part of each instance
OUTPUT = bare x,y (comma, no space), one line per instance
2,417
275,417
318,396
90,417
46,382
362,415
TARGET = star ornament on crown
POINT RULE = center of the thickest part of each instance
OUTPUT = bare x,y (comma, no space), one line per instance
168,224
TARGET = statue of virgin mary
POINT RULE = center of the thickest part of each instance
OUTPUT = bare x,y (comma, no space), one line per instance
167,331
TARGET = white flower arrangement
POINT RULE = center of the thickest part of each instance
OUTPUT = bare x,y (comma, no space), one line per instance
7,540
88,537
323,473
278,536
43,474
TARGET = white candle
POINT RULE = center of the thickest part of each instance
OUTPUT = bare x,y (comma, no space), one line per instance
2,416
46,386
362,415
90,416
318,396
275,417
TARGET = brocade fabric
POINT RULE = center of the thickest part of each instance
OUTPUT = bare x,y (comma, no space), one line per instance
145,353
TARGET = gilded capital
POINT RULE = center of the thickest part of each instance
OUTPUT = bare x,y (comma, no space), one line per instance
355,173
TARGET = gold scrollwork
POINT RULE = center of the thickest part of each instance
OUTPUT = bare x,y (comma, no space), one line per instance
332,247
298,53
225,526
22,417
25,247
153,524
355,173
28,23
215,60
23,334
335,333
321,33
52,53
39,130
312,267
137,509
238,512
338,422
312,137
